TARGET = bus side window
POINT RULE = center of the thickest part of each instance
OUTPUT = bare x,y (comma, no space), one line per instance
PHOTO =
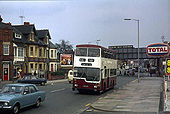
106,73
102,72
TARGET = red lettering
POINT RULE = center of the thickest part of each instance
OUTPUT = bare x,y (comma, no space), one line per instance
154,49
150,49
157,49
165,50
161,50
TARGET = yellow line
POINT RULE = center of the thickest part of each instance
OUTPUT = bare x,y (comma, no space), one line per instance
89,110
88,104
100,98
134,80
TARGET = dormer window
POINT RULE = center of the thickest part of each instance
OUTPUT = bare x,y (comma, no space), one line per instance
47,40
18,36
32,36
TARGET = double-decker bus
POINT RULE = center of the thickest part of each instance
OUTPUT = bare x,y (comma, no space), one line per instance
94,68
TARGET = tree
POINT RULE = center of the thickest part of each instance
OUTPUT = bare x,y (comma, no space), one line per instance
64,47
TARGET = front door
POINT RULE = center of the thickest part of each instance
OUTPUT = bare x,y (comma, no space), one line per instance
6,73
51,67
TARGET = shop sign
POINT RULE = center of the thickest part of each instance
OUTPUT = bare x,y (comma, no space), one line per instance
168,66
157,49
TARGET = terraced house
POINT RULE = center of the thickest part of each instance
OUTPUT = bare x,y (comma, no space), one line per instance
23,48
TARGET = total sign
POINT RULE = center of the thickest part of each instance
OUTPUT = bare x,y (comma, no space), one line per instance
157,49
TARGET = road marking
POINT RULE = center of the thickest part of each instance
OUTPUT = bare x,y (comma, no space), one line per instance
134,80
88,104
89,110
57,90
100,98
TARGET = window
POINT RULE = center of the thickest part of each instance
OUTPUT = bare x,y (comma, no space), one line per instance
51,53
35,51
31,67
93,52
20,52
44,52
31,51
32,89
40,66
17,35
40,52
81,51
112,72
15,51
35,66
6,49
55,53
32,36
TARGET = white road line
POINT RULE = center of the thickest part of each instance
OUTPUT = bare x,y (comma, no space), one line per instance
58,90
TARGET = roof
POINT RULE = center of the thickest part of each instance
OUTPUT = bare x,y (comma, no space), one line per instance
19,84
5,25
43,33
94,46
25,29
18,40
52,46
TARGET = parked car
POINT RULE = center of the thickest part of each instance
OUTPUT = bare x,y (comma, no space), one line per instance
14,97
70,76
32,79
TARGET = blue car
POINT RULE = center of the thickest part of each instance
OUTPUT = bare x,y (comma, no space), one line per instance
14,97
32,79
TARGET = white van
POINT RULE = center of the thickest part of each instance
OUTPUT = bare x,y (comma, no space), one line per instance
70,76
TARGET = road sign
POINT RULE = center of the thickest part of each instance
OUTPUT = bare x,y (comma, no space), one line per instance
158,49
168,66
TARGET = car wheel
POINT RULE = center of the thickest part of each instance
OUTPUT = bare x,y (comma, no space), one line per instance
38,103
43,83
15,109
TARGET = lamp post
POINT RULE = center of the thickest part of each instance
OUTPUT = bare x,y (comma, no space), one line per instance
138,41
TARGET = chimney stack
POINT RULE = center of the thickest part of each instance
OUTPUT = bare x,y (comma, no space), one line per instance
26,23
0,19
9,23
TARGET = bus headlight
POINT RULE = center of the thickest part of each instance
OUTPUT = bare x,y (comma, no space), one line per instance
95,86
76,85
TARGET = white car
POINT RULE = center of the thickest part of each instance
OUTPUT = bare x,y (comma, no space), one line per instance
70,76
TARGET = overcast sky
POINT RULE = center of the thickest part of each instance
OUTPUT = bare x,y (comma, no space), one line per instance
83,21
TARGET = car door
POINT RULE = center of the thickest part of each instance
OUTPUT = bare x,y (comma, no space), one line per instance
33,94
26,99
34,80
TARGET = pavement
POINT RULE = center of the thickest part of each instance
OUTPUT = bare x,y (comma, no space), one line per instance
143,98
2,83
167,99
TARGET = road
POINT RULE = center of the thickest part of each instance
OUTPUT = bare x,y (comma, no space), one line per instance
60,99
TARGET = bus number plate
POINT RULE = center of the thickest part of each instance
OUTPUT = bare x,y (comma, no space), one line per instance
85,86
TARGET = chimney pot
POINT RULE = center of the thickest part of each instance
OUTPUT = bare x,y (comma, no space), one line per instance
26,23
9,23
0,19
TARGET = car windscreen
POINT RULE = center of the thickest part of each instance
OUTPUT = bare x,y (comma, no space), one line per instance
12,89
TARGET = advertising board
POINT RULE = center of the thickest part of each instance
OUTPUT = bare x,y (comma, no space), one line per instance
66,60
158,49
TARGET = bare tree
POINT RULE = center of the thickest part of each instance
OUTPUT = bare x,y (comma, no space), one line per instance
64,47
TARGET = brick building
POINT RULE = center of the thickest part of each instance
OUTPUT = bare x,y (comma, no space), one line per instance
6,51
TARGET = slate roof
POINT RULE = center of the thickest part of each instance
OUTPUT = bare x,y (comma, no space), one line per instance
18,40
52,46
43,33
5,25
26,29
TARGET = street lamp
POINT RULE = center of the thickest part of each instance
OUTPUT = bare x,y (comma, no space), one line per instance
138,41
